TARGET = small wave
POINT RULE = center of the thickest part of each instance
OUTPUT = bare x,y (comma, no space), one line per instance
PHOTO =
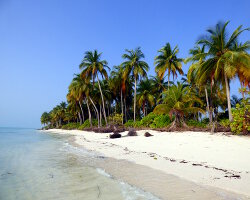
130,192
102,172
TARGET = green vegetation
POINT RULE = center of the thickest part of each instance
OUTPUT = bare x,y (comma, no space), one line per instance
86,124
71,126
195,123
241,119
126,96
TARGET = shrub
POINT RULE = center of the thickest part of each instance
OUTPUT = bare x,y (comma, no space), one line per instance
205,120
241,119
129,123
86,124
196,123
115,119
225,122
161,121
71,126
137,124
147,120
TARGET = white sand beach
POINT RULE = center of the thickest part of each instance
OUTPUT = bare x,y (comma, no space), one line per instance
217,160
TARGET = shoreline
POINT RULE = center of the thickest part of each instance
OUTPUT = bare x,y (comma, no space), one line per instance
203,161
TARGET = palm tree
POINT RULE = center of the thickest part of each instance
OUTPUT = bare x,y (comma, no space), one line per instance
62,111
135,66
145,96
197,58
77,93
223,56
235,100
167,60
118,82
45,118
178,101
159,85
91,66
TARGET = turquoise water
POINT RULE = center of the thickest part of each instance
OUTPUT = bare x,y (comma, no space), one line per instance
35,165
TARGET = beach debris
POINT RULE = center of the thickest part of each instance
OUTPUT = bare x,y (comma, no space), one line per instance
147,134
155,158
196,164
183,161
132,132
102,157
115,135
172,160
51,175
99,191
233,176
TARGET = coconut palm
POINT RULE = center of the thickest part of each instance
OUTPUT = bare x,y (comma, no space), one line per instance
77,93
224,56
135,66
45,118
91,66
118,84
235,100
167,60
197,57
145,97
178,101
62,111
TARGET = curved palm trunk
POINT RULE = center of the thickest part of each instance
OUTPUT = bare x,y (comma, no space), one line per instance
135,100
228,99
242,91
104,113
97,113
80,118
90,120
144,113
81,111
100,115
208,107
122,105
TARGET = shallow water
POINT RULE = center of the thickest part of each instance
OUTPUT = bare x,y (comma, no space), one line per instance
34,165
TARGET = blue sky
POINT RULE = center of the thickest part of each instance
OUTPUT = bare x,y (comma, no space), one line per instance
43,42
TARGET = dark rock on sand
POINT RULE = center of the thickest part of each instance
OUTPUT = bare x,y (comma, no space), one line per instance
132,132
147,134
115,135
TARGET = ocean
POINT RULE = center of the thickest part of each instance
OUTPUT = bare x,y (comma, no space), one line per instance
39,166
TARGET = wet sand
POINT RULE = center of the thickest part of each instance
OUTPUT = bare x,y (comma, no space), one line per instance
153,172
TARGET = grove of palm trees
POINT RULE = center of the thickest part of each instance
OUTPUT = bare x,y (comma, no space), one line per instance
126,95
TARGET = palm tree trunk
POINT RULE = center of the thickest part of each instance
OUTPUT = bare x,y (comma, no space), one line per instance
97,113
144,109
208,107
122,105
228,99
81,111
104,113
90,120
135,100
80,118
242,91
125,106
168,78
100,115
